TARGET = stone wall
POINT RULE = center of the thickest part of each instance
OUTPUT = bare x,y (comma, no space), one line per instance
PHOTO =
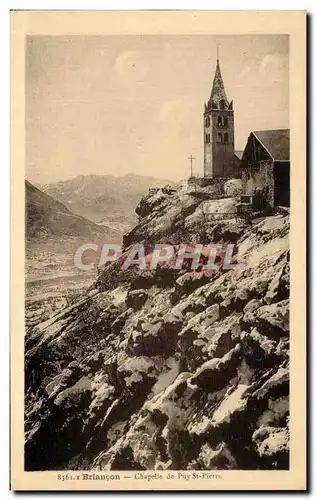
216,182
219,150
259,176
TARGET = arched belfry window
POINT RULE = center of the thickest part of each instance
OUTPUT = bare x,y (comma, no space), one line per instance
220,137
225,121
225,137
219,121
207,121
222,104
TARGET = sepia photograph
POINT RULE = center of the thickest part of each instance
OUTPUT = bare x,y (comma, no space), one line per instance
157,304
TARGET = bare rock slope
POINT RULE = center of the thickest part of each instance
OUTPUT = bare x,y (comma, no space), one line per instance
169,369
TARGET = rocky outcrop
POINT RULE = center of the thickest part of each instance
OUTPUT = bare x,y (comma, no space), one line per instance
164,369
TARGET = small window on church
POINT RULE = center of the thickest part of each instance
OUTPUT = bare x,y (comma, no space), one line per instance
225,121
220,137
219,121
207,138
225,137
207,121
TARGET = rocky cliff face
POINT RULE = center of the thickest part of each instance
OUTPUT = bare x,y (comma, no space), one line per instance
169,369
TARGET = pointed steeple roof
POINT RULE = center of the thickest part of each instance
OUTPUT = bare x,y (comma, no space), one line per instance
218,93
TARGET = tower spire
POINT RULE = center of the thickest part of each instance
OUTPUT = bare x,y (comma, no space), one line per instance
218,93
218,133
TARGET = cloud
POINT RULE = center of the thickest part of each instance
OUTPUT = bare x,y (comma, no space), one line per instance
270,62
127,61
169,109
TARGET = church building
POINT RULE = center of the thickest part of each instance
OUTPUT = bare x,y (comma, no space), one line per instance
220,160
265,167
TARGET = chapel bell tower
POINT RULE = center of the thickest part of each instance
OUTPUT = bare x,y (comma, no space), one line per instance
219,139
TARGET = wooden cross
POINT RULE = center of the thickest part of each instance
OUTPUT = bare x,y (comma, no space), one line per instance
191,158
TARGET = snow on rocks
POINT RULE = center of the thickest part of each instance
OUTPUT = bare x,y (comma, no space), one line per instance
216,459
272,440
134,373
102,393
233,187
136,299
278,379
147,376
277,410
275,318
235,401
216,373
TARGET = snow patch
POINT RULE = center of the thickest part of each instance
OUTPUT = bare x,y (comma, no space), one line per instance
232,403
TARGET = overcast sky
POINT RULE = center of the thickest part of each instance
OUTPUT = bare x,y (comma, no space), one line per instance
121,104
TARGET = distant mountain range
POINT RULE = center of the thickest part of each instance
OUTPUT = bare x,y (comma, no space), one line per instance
104,199
46,217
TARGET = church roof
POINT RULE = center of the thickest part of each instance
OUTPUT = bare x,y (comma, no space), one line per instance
276,142
218,90
239,153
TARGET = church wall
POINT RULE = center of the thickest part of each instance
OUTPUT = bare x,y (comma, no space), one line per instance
259,176
257,170
223,150
219,156
208,161
282,183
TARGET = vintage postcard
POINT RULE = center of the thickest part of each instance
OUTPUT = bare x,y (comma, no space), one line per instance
158,250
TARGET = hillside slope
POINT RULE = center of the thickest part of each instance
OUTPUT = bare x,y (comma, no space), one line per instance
169,369
47,217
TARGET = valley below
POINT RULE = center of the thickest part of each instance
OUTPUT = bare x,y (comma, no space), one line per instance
52,281
60,218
